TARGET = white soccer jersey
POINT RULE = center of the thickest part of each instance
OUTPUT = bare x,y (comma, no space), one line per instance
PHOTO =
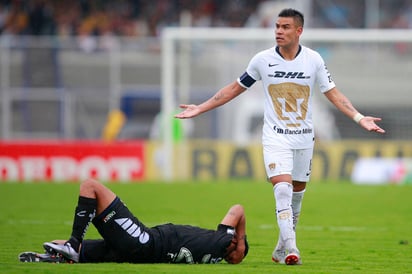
288,87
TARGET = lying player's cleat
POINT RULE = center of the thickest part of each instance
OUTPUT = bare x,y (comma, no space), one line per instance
293,258
33,257
65,250
279,255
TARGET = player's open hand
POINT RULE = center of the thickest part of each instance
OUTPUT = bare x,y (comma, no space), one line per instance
188,112
368,123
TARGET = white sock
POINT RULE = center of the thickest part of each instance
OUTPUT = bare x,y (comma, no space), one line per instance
283,196
296,206
280,244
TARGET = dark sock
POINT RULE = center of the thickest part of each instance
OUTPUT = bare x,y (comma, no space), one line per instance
84,214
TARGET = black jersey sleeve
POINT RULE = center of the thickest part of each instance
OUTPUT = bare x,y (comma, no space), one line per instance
226,228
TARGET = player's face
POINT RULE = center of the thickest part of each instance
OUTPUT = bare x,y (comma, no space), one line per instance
287,32
233,256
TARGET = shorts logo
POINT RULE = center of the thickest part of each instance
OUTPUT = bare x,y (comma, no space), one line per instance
272,166
133,229
109,216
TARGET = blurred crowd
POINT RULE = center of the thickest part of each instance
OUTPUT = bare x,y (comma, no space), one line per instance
148,17
120,17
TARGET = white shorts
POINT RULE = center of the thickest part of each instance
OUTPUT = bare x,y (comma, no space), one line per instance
296,162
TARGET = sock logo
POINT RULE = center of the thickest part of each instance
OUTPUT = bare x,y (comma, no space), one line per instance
284,214
133,229
81,213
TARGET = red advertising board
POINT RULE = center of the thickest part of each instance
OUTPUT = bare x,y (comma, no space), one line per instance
71,161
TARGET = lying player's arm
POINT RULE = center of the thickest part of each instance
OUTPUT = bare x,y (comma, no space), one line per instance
343,104
221,97
235,217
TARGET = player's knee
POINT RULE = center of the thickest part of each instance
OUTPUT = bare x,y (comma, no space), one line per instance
88,184
281,179
299,186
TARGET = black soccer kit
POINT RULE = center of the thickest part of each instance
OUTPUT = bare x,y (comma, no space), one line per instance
190,244
126,239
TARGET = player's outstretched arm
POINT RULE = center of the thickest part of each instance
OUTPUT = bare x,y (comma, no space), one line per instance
342,103
221,97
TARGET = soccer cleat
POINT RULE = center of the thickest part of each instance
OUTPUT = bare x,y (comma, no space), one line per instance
33,257
293,258
279,255
64,250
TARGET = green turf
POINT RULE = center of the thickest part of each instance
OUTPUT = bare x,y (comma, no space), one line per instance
344,228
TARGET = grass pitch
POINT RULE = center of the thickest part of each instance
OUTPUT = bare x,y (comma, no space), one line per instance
343,228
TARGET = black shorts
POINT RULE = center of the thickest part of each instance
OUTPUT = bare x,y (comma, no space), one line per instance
125,238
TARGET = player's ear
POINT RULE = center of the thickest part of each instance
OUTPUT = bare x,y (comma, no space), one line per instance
299,30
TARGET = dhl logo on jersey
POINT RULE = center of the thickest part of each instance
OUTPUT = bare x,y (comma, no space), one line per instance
289,75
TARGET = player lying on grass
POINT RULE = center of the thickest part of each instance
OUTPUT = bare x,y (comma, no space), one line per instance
127,239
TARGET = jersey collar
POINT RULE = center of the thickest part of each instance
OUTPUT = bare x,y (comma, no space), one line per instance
297,53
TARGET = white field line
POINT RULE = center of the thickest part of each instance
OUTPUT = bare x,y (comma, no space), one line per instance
38,222
68,223
328,228
262,226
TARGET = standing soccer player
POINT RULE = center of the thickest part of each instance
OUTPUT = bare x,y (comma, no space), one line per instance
288,72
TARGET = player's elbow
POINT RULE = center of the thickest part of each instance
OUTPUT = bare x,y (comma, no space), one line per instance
238,207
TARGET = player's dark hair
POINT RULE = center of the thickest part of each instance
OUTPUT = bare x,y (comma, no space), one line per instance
246,246
297,16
